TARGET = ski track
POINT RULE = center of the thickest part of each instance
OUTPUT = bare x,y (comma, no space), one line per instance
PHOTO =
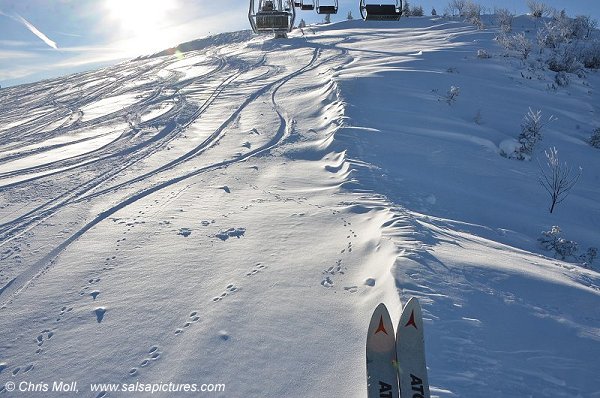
105,183
29,220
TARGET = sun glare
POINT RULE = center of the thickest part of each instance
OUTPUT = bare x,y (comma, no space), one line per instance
141,20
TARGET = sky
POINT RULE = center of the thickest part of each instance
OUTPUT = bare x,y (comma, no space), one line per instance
48,38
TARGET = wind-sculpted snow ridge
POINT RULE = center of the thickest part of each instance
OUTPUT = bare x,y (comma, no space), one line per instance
210,41
234,212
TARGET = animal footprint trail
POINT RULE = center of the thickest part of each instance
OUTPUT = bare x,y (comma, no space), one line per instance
192,318
153,355
336,269
230,289
64,310
91,282
44,335
256,269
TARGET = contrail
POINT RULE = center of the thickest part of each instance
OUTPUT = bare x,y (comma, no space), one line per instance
32,29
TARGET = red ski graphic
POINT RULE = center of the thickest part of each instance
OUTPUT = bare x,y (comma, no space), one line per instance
411,321
381,327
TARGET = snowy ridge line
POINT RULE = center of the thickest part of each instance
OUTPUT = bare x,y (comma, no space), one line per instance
24,280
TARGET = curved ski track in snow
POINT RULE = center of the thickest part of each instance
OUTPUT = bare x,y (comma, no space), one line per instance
175,121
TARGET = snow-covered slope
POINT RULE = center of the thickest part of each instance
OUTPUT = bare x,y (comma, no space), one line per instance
233,214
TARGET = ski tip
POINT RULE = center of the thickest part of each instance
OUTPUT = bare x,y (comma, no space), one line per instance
380,326
413,302
381,308
411,317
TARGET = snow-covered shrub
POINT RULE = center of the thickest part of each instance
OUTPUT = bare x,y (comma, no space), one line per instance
565,249
562,248
482,54
433,12
504,18
518,43
456,7
531,134
562,29
557,178
302,24
588,258
472,13
565,59
349,17
538,9
452,94
562,79
417,11
583,26
589,55
555,33
472,10
595,138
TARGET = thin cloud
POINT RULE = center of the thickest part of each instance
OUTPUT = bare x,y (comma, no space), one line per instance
32,29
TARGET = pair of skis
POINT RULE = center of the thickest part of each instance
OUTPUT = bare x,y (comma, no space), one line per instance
396,362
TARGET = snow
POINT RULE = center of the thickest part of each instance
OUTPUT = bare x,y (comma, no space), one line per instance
234,213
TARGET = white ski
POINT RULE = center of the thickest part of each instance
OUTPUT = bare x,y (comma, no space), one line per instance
410,352
382,377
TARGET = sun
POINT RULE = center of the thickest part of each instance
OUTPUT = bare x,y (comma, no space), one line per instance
139,18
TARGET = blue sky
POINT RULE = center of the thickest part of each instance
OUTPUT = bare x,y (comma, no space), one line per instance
45,38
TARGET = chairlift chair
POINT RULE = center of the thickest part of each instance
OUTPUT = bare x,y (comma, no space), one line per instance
328,8
272,16
381,12
307,5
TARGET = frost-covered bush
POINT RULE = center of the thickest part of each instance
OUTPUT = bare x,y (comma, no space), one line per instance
595,138
589,55
456,7
565,59
518,43
561,29
531,134
583,26
504,18
417,11
433,12
562,248
555,32
565,249
538,9
557,178
302,24
588,258
562,79
349,17
472,13
482,54
452,94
